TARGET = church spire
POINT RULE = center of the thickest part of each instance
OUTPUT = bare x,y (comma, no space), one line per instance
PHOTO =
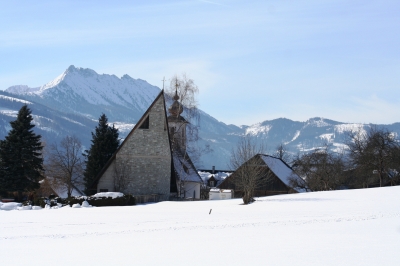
176,97
176,108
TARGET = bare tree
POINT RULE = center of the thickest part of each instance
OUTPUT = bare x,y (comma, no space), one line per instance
282,153
374,153
250,172
184,123
65,164
121,174
320,169
185,131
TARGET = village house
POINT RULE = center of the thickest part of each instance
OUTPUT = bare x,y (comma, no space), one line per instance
152,163
212,177
275,170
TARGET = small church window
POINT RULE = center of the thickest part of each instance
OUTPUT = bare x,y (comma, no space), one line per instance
145,124
211,183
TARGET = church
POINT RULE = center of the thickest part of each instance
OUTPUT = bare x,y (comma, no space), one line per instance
152,163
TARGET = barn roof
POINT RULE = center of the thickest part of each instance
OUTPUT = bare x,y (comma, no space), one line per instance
283,171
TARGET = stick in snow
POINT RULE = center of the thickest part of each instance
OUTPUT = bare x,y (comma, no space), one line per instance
210,211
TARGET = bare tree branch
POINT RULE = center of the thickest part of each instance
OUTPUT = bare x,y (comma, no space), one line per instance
65,164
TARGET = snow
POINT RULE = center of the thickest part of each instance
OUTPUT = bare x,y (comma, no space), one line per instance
296,135
86,204
108,195
280,169
342,128
318,122
101,89
219,176
9,206
21,89
12,99
352,227
123,128
24,208
327,137
190,174
62,191
11,113
257,129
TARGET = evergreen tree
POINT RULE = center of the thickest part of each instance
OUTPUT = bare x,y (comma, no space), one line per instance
105,142
20,155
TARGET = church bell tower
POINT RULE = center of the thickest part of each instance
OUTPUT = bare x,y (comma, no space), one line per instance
177,125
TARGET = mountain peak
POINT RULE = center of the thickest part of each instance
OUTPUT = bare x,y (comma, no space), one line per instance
71,68
21,89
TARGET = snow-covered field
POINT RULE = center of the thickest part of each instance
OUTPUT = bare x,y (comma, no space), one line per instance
353,227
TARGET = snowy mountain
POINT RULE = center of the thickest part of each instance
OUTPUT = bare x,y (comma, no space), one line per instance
53,125
72,103
82,91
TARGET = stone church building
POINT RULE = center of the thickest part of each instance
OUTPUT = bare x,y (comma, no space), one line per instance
152,160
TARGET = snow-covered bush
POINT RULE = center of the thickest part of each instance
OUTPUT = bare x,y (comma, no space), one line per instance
101,199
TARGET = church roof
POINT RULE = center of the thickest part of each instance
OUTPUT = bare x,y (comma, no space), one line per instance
177,119
184,168
176,107
137,125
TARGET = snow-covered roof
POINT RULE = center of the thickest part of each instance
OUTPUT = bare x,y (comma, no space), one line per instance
220,176
184,168
279,168
62,192
217,190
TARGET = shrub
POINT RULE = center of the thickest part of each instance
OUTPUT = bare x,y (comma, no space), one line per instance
126,200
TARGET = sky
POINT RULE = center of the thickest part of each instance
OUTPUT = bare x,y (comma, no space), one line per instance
252,60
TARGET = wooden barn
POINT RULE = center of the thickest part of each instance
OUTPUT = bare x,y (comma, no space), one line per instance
275,171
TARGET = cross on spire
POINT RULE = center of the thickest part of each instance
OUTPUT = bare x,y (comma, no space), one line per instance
163,80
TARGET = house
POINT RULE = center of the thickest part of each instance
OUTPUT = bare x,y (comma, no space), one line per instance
50,186
152,161
276,172
212,178
220,194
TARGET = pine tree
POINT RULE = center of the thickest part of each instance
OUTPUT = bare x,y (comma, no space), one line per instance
20,155
105,142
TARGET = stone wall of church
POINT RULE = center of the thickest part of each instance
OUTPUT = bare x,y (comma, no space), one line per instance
147,156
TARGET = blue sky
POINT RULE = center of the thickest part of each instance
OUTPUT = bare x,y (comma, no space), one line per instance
252,60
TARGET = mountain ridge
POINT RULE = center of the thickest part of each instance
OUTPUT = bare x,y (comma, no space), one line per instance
72,102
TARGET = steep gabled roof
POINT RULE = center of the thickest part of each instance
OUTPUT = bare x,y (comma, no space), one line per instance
184,168
283,171
279,168
161,94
